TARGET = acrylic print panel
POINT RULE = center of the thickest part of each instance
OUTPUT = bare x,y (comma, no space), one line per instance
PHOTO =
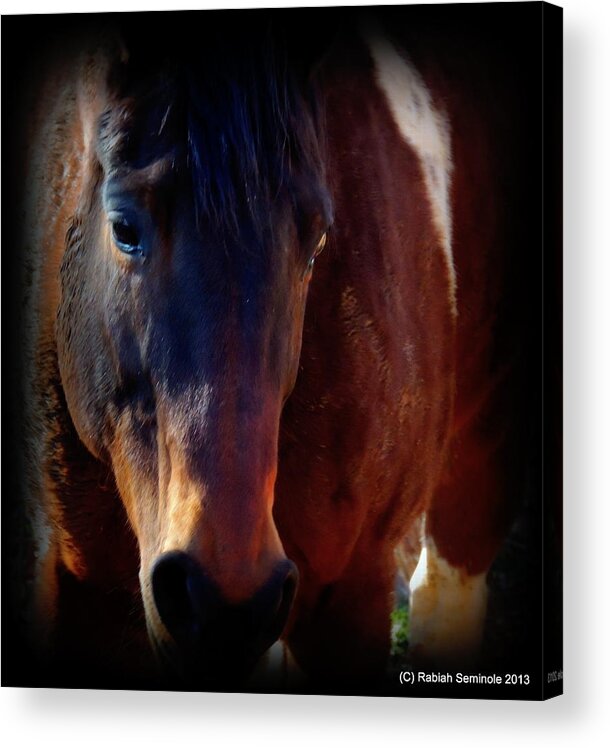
282,414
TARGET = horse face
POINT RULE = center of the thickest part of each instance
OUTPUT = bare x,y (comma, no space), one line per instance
178,340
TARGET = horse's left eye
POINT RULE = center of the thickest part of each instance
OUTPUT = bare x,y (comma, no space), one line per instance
125,236
320,245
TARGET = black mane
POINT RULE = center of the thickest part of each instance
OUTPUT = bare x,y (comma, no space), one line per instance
231,104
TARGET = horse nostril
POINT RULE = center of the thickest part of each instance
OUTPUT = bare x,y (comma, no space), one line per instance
283,585
181,594
212,634
290,586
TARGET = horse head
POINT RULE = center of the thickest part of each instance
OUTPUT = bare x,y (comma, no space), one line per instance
183,289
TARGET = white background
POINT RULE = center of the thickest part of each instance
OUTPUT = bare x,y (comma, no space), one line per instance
47,718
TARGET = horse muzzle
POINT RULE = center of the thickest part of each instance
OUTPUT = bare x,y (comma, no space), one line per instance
213,642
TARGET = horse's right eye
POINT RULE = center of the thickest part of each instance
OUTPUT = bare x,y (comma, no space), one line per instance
126,237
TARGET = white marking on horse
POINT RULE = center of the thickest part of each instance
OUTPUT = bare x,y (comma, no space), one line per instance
425,128
448,609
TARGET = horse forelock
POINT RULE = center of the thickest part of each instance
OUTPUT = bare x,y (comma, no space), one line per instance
236,120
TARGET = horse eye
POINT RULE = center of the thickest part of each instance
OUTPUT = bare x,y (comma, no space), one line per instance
125,236
320,245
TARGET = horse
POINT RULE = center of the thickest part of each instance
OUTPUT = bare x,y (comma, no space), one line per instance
263,353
